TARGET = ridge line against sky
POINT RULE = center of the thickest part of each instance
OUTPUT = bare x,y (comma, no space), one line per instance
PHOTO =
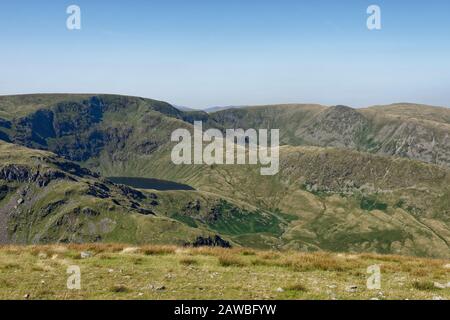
199,53
222,107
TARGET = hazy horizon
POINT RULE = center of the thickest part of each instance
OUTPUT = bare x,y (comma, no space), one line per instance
202,54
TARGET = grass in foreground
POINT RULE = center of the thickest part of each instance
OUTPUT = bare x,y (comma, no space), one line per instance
113,271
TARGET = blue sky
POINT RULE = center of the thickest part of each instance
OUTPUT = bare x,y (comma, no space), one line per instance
202,53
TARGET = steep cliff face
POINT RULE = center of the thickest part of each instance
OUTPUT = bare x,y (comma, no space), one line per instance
78,131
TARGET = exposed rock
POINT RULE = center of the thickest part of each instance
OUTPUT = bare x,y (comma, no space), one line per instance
42,255
194,205
130,250
145,211
130,192
351,288
211,242
74,169
85,255
157,287
90,212
45,178
439,285
51,207
21,173
15,173
96,191
332,286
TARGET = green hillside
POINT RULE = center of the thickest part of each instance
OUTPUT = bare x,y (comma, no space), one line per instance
366,180
404,130
45,199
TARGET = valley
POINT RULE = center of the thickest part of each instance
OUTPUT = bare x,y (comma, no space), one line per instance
350,180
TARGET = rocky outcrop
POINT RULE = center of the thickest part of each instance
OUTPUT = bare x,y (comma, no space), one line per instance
73,168
24,174
131,193
215,241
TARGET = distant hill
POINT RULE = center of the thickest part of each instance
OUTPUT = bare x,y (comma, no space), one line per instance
215,109
182,108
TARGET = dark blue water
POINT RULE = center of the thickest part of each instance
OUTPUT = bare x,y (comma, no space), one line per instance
149,183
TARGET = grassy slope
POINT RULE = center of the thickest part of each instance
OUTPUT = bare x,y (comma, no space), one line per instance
288,118
152,272
331,199
407,130
66,210
22,105
414,111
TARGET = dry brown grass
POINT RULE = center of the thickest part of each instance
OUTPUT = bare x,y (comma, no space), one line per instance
97,247
318,261
212,251
112,272
188,261
269,255
262,262
248,252
11,249
157,250
228,260
419,273
380,257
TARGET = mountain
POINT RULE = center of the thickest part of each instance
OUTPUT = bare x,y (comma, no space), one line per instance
403,130
215,109
44,199
362,180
